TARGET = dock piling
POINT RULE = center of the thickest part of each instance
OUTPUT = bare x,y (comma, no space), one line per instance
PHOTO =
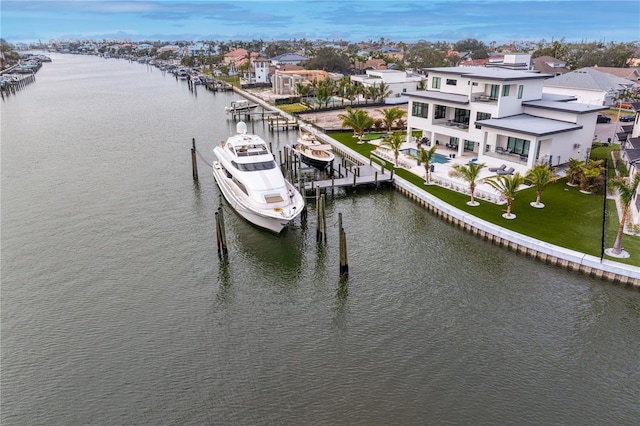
194,162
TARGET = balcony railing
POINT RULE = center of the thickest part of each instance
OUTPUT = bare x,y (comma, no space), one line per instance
452,124
483,97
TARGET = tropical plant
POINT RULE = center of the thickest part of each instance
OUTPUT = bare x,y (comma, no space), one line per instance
470,175
383,91
425,157
303,90
359,120
591,176
539,177
390,115
507,186
627,188
394,142
573,172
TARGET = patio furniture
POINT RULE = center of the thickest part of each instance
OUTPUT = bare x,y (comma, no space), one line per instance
509,171
500,150
496,169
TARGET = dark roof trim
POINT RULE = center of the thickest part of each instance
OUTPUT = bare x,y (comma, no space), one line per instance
528,132
564,109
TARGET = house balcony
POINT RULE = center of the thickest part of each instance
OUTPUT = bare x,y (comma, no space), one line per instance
507,156
451,124
484,98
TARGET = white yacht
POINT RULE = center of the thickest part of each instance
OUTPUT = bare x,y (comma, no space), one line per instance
253,184
313,152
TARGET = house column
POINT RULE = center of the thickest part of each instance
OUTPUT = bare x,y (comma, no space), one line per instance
409,134
531,157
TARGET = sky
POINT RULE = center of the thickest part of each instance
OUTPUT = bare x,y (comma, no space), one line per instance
352,20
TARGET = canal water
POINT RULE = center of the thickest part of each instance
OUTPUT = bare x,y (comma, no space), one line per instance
116,310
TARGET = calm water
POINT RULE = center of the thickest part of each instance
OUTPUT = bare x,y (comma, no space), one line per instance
116,310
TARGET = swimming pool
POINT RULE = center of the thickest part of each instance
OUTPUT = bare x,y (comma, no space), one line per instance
437,158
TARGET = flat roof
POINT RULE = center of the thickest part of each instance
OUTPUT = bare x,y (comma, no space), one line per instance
530,125
490,73
573,107
439,96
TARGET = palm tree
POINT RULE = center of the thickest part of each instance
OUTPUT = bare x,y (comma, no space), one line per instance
470,174
507,186
394,142
359,120
390,115
539,177
591,176
303,90
574,171
627,188
383,91
425,156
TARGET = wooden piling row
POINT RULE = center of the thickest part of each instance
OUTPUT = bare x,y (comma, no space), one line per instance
10,88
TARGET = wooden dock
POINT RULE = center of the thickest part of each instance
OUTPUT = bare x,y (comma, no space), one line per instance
278,122
354,176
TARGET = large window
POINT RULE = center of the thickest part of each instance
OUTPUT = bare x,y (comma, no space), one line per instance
518,146
419,109
505,90
462,116
520,89
435,82
495,91
481,116
440,111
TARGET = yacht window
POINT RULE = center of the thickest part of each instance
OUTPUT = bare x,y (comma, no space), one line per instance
252,167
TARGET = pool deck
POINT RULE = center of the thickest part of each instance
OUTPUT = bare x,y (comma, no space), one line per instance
440,174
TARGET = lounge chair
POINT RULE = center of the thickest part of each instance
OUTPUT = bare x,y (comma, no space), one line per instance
498,169
509,171
500,150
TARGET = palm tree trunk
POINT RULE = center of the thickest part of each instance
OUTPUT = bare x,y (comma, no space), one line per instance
617,245
538,198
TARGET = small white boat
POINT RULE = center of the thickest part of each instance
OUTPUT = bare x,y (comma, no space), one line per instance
312,152
253,184
240,106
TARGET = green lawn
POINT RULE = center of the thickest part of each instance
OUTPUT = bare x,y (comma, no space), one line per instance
570,218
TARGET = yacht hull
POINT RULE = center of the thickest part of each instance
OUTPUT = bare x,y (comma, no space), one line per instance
274,220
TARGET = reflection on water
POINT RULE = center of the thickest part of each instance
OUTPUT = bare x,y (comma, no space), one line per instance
117,310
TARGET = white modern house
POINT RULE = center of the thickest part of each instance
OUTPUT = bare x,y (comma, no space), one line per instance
501,116
399,82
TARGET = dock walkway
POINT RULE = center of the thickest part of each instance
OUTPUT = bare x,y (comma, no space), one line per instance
359,175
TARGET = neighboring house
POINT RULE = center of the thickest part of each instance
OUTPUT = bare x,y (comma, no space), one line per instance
199,49
629,73
550,65
235,59
589,86
501,117
630,154
257,73
287,59
399,82
179,51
